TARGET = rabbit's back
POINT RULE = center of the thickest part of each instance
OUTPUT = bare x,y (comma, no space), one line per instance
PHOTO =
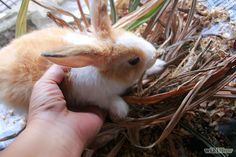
21,64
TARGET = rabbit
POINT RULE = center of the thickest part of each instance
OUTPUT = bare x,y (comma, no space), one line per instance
103,63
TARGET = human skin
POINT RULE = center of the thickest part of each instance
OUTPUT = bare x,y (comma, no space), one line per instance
52,130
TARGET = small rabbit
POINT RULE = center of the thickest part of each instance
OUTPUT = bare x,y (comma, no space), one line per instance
103,64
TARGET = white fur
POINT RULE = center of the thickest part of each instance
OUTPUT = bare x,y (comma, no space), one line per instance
156,67
132,41
89,86
79,39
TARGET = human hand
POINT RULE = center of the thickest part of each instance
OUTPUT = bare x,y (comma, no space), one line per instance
53,130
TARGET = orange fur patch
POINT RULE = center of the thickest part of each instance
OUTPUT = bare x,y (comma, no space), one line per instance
117,66
21,64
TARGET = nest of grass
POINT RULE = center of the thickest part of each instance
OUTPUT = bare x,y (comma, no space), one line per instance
200,69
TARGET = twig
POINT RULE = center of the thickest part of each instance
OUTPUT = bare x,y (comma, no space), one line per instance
189,19
199,57
230,89
59,10
197,71
117,147
189,81
5,4
11,136
155,19
225,96
58,20
212,90
170,17
209,60
154,83
140,88
188,58
82,14
162,45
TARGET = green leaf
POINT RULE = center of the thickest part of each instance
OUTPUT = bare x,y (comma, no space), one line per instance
144,18
21,26
134,5
113,11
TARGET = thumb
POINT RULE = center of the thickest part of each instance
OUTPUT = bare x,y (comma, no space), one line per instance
54,74
46,93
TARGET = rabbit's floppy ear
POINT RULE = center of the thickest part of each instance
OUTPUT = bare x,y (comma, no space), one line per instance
100,19
77,55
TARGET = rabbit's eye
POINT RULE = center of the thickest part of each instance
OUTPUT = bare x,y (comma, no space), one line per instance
134,61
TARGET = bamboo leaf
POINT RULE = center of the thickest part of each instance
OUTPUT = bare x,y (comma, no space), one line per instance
134,5
21,26
125,21
113,11
144,18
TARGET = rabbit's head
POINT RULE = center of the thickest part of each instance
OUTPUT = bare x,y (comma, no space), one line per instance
118,54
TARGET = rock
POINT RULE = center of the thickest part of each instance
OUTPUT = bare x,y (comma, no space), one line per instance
11,123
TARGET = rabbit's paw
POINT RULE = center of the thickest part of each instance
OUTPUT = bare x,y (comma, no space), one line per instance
156,67
119,108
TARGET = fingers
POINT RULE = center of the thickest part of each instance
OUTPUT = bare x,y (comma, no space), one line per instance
46,94
88,123
54,74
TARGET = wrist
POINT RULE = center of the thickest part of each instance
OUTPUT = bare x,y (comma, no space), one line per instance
46,139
